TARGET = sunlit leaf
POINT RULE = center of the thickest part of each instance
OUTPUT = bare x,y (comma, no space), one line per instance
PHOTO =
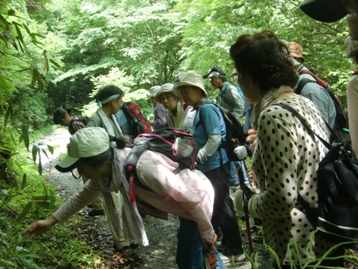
24,211
35,151
25,135
24,181
50,148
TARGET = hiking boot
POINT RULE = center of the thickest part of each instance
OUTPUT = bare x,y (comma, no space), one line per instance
93,212
232,258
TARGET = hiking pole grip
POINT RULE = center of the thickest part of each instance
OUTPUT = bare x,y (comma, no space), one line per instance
240,173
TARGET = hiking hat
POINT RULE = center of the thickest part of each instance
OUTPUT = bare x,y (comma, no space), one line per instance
351,47
191,78
168,88
86,142
324,10
179,76
154,90
215,72
296,50
352,21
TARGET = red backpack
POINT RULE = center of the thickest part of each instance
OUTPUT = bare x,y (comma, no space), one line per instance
137,121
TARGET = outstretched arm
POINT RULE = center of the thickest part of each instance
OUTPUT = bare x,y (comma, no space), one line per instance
40,227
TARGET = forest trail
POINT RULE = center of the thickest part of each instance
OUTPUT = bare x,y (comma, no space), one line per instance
160,254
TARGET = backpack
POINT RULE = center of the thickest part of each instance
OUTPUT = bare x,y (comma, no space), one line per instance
238,90
178,145
321,82
337,189
235,135
136,120
340,129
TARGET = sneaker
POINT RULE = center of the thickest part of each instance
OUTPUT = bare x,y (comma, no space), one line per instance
93,212
233,258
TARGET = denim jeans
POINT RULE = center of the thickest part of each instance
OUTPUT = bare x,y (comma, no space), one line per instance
190,250
234,166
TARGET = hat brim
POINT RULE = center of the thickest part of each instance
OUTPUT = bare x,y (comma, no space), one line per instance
67,164
324,10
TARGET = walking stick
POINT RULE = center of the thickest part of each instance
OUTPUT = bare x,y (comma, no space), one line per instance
240,173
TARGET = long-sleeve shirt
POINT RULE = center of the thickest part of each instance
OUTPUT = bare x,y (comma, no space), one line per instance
187,194
160,117
352,100
75,124
230,99
285,162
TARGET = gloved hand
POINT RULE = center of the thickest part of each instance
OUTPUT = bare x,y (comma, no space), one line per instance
202,156
241,152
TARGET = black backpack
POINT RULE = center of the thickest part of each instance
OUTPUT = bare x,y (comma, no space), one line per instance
337,187
178,145
235,135
340,128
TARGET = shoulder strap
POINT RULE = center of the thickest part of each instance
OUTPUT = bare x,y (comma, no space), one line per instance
131,170
302,82
299,117
311,213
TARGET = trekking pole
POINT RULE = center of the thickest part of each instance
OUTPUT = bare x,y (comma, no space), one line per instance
240,173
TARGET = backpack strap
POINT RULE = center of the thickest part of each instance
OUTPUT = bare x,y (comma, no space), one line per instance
304,123
302,82
311,213
131,170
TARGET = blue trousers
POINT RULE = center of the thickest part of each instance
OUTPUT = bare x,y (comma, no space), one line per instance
190,250
234,166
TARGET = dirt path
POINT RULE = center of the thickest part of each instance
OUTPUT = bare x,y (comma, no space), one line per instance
160,254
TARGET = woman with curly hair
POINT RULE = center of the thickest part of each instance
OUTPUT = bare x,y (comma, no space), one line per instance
286,156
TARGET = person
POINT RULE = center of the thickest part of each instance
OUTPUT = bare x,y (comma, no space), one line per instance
170,100
286,157
160,113
352,92
298,59
188,194
188,117
74,123
209,130
313,91
109,99
230,99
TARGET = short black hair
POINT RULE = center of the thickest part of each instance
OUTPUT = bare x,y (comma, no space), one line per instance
107,91
58,115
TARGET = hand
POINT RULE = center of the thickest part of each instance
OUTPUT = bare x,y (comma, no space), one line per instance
252,179
241,152
248,193
128,139
251,138
202,156
40,226
209,243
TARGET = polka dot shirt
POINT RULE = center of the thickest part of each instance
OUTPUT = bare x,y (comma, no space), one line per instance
285,162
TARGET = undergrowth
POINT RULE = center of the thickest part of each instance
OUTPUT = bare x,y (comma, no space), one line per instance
30,199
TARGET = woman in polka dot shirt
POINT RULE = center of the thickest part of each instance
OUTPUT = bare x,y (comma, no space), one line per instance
286,157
